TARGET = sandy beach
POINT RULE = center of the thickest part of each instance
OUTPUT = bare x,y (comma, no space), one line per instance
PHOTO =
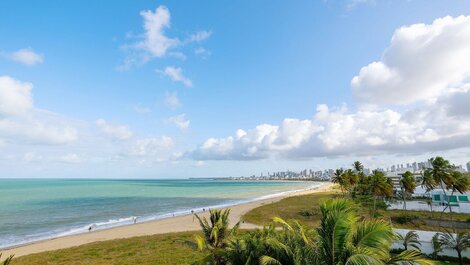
168,225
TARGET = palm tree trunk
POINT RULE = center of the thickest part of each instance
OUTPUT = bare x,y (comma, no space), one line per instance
404,203
430,203
450,210
375,203
460,257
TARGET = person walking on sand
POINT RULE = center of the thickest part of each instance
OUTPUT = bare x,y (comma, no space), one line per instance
135,219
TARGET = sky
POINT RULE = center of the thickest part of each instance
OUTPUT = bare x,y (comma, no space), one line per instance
178,89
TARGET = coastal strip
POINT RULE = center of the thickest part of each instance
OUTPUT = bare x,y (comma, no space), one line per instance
168,225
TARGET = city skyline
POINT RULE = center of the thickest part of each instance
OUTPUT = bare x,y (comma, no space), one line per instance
179,90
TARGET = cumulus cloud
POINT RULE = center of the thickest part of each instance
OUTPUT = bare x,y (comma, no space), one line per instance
21,121
15,97
172,101
423,62
176,74
179,121
199,36
115,131
425,67
155,43
341,132
25,56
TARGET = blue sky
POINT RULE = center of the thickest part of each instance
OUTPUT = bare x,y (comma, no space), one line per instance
98,97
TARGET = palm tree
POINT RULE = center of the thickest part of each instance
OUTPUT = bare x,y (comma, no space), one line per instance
411,239
358,167
344,239
459,243
457,182
428,184
351,179
408,186
441,173
341,179
341,238
215,235
380,186
7,261
436,246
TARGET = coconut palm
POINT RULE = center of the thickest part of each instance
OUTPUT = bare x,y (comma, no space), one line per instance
342,238
459,242
411,239
458,182
340,178
215,235
436,246
380,186
408,186
358,167
428,184
441,172
7,261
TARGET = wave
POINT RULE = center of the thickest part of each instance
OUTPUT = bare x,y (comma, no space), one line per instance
112,223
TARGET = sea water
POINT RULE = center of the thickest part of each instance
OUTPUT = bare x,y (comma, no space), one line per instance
38,209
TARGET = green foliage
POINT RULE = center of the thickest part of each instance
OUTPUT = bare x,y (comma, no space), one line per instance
215,235
411,239
459,243
342,237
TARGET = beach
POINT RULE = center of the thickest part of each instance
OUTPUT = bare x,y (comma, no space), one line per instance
182,223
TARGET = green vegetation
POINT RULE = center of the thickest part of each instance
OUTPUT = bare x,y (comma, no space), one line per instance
305,209
157,249
7,261
343,237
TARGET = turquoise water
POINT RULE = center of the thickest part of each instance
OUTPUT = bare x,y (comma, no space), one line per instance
37,209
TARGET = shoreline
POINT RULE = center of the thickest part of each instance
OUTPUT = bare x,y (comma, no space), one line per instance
177,223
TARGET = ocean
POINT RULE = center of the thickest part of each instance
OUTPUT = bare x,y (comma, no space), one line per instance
38,209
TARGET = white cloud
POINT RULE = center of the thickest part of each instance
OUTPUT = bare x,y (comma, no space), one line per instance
21,121
180,121
423,62
70,158
155,42
25,56
115,131
172,101
152,146
202,52
15,97
176,74
340,132
199,36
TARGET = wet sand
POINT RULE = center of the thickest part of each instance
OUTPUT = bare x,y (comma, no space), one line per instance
168,225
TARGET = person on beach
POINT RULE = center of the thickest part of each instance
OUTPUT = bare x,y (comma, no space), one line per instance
135,219
89,229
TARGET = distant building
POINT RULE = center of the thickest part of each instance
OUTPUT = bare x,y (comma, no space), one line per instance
468,166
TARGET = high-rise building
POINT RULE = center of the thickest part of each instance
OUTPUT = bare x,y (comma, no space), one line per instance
468,166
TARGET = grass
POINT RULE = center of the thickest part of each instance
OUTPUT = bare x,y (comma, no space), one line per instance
157,249
290,208
305,209
172,249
